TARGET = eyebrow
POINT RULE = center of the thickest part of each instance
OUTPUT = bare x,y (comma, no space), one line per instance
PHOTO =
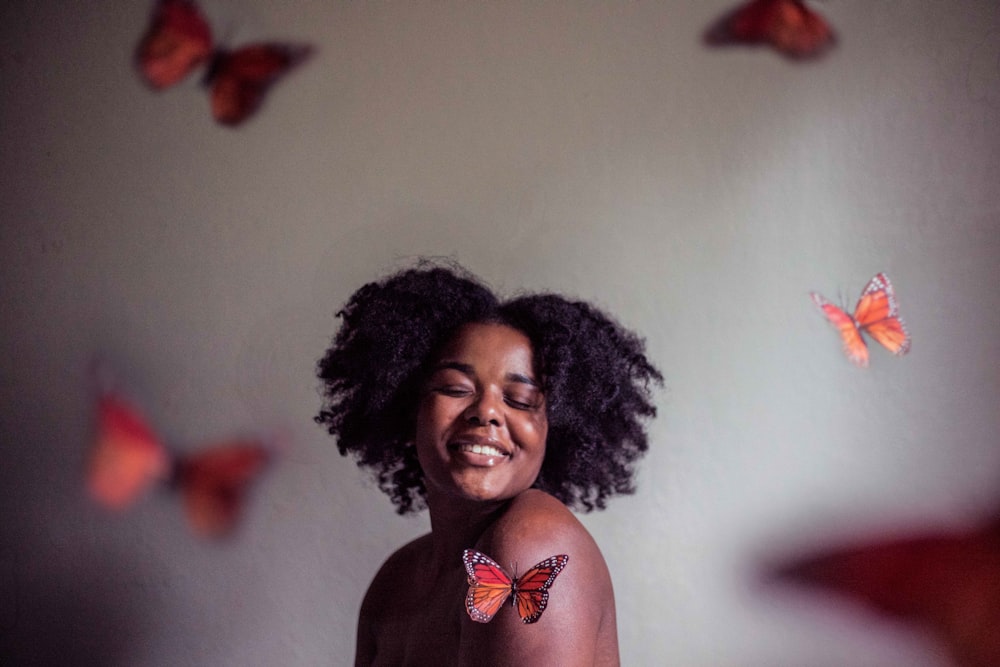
468,370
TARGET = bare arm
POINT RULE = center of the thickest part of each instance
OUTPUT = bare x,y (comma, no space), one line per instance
578,625
364,652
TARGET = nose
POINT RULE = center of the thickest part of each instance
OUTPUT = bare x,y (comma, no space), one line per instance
485,410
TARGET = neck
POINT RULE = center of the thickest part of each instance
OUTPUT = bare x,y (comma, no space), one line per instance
457,524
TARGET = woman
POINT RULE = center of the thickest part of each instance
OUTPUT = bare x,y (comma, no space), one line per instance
497,417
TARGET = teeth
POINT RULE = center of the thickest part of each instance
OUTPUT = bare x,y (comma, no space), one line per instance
488,450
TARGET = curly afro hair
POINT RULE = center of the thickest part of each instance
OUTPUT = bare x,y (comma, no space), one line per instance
594,374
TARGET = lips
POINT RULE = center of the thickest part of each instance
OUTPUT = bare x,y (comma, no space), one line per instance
488,447
487,450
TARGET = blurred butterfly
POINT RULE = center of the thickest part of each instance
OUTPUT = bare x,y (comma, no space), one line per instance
877,314
179,40
128,459
949,582
490,586
787,25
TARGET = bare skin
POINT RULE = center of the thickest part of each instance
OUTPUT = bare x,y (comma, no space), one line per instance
480,438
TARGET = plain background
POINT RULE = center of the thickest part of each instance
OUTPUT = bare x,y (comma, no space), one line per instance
592,148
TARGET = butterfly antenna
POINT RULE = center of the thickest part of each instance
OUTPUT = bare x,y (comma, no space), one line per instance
225,40
842,300
100,376
221,46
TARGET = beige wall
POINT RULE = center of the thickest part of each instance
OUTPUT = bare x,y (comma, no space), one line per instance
588,147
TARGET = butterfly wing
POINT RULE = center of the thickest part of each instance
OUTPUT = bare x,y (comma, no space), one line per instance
947,582
214,484
127,457
787,25
239,79
489,586
531,591
850,335
178,40
877,314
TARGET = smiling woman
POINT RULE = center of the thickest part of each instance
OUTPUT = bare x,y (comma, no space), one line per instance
481,425
497,417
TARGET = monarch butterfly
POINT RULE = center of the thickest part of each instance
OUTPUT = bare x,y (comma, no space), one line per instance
490,586
787,25
128,459
877,314
949,582
179,40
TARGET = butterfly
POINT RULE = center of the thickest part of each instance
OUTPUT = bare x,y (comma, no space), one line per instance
490,586
877,314
128,459
949,582
787,25
179,40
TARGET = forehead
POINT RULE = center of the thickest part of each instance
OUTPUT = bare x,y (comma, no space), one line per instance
490,343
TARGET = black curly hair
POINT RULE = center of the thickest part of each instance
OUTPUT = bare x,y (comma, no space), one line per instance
594,374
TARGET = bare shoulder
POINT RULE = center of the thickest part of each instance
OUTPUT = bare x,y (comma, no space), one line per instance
578,624
387,607
394,570
537,525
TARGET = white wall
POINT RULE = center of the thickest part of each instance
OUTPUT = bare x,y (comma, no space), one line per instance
594,148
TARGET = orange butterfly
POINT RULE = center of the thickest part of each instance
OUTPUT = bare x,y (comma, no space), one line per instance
787,25
949,582
490,586
128,459
877,314
179,40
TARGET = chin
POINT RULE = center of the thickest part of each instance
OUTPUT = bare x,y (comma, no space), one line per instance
482,493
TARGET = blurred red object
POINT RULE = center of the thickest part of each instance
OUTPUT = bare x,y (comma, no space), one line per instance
179,40
787,25
214,484
128,459
948,582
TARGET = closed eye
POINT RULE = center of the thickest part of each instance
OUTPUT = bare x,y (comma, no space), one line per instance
529,401
452,390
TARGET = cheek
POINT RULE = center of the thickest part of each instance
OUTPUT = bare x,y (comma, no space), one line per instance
538,444
541,429
424,425
434,414
424,436
534,432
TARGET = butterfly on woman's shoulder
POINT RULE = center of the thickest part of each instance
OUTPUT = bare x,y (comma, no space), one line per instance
490,586
179,40
876,313
128,459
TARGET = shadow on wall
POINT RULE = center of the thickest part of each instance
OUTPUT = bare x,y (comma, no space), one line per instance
69,617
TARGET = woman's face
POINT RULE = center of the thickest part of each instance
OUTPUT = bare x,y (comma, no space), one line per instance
481,423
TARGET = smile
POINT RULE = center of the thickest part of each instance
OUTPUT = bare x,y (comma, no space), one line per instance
479,450
486,450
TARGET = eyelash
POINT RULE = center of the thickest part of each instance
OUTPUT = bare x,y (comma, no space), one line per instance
459,392
518,405
453,391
